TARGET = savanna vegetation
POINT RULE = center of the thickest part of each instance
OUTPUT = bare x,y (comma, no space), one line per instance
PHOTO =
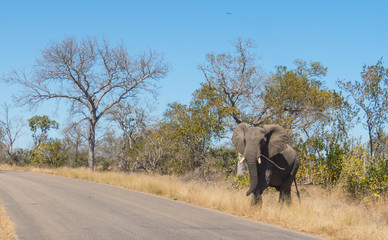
321,212
7,231
106,86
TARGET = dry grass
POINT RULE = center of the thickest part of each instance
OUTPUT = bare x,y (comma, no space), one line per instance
6,226
326,214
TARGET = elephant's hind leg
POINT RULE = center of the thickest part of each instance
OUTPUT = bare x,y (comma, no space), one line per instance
285,191
285,187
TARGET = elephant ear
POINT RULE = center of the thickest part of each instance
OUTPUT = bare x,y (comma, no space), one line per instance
238,138
277,138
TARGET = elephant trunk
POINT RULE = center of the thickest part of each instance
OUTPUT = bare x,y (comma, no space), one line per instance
253,174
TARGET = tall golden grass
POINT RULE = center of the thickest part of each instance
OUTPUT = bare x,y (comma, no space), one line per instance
328,214
6,226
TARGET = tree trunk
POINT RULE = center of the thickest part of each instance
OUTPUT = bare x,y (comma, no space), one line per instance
10,149
76,151
92,144
370,140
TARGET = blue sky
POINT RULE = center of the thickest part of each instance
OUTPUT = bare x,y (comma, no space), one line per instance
342,35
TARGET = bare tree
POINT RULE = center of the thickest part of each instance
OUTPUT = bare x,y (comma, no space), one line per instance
132,121
370,94
238,80
11,127
92,76
151,154
75,138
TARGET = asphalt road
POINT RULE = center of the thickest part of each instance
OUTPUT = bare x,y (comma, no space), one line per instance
51,207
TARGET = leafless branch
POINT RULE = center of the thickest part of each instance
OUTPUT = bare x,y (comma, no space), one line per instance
11,127
93,77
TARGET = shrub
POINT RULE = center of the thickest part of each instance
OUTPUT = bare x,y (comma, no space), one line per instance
365,177
239,182
49,154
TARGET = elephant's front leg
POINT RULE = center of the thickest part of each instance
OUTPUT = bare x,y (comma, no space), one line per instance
256,198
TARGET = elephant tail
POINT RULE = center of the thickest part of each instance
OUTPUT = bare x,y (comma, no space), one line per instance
297,191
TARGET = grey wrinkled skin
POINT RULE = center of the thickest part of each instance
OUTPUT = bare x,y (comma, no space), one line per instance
268,141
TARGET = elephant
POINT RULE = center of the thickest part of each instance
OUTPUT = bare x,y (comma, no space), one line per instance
272,162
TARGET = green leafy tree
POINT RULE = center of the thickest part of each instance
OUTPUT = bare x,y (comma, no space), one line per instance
294,98
370,94
40,125
297,99
197,125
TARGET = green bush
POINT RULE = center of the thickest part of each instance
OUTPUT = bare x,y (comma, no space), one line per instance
19,157
321,159
239,182
378,178
49,154
365,177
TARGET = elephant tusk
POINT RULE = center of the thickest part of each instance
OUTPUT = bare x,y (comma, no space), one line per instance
259,160
242,160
